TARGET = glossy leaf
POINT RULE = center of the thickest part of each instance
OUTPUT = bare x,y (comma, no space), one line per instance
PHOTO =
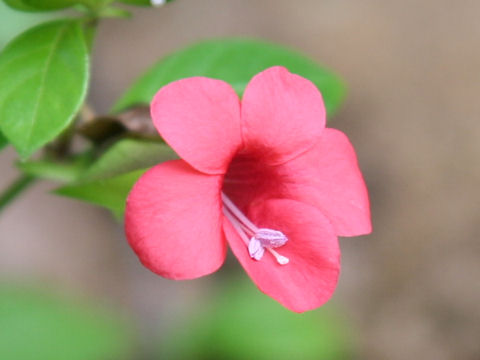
110,193
128,155
37,325
235,61
44,75
242,323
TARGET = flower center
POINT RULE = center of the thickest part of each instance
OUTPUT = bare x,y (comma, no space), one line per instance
256,239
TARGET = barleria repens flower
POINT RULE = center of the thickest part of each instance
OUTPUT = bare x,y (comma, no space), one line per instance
263,175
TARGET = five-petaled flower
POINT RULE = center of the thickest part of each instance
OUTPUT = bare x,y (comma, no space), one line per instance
263,175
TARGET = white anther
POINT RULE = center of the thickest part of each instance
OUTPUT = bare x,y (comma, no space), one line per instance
271,238
255,249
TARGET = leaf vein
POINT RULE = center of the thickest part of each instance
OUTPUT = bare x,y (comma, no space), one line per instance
44,72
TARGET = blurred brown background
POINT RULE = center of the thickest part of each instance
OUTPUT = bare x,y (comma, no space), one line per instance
412,288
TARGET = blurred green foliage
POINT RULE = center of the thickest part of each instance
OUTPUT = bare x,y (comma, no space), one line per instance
53,5
14,22
3,141
110,193
128,155
243,323
41,5
39,325
57,170
235,61
109,179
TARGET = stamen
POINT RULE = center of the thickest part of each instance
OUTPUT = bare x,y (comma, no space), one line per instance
236,226
260,239
236,211
271,238
282,260
255,249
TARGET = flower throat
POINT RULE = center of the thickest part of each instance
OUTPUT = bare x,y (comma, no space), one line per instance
256,239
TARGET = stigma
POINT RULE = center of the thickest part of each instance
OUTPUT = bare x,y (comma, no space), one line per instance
257,240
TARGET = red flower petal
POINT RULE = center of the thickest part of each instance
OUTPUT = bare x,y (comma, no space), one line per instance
310,277
173,221
327,177
200,118
282,115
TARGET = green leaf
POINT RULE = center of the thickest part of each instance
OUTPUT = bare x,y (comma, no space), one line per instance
128,155
44,74
19,5
114,12
53,170
3,141
50,5
108,181
40,325
236,61
242,323
110,193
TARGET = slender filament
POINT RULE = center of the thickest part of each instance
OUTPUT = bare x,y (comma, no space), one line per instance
245,228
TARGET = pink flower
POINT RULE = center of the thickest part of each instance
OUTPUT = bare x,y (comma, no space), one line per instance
264,176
